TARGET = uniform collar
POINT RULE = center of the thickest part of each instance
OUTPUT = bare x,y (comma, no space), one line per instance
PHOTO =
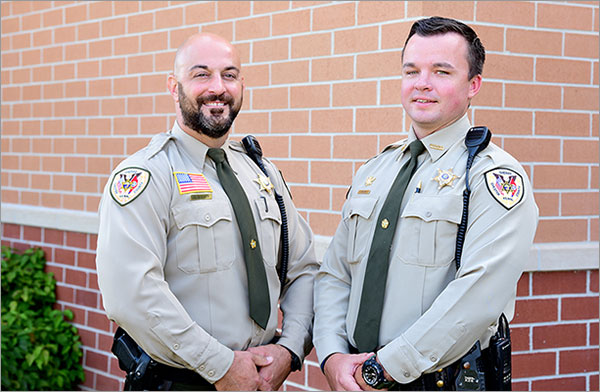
440,141
194,148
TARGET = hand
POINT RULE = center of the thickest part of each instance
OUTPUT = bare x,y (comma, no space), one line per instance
361,381
277,371
243,373
340,370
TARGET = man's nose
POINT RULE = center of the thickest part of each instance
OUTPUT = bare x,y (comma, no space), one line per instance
423,82
216,85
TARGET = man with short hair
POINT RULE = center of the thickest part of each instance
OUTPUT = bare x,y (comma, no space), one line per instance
393,307
190,241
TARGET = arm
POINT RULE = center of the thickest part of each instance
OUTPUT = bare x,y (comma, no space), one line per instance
132,246
296,302
496,247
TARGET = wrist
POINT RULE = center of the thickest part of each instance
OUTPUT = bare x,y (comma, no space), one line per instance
375,375
295,363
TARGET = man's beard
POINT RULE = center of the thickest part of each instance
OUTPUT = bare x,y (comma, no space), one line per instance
211,126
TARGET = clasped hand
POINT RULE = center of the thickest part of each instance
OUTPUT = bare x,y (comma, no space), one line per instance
262,368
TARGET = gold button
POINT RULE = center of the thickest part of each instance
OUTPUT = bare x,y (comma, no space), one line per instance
439,383
385,223
440,370
253,244
467,365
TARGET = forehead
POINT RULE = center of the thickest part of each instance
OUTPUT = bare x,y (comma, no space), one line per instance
449,47
206,52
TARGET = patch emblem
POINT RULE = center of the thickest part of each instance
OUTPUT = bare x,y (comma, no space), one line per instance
369,181
191,183
445,177
265,183
506,186
128,184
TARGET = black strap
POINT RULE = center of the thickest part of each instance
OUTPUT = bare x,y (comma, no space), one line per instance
255,153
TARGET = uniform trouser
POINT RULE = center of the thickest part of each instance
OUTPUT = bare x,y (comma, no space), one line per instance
166,378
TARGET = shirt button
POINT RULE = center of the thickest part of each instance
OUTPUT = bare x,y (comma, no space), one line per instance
207,217
175,346
428,214
211,373
406,374
202,367
433,358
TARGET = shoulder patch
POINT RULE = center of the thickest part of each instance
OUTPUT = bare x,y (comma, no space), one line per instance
129,183
506,186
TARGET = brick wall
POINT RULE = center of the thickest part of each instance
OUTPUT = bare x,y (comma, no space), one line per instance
84,85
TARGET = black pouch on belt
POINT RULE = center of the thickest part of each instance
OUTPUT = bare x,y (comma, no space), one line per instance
500,373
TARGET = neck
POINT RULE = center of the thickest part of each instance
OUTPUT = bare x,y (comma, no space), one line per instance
209,141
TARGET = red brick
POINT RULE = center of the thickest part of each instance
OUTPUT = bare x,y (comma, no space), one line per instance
89,380
58,273
77,240
310,197
523,285
579,308
560,177
311,45
564,17
96,360
86,298
578,361
581,98
561,282
104,383
528,41
532,365
547,96
93,241
88,338
291,22
354,146
11,231
594,383
76,278
98,321
593,334
331,172
309,96
520,386
316,378
579,203
354,94
289,122
78,314
377,11
533,150
536,310
379,120
334,16
86,260
561,230
336,120
563,71
583,151
53,236
378,64
311,146
594,281
520,339
105,343
64,256
561,335
560,384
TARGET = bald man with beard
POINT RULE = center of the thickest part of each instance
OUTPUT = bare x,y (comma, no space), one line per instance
172,257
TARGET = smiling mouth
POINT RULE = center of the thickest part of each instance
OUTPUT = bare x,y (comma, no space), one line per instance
423,101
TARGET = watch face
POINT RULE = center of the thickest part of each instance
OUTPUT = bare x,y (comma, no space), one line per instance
370,374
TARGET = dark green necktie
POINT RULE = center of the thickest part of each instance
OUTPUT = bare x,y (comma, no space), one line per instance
366,333
258,287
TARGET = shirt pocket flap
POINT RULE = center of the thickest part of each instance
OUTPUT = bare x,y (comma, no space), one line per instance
361,206
268,209
434,208
202,214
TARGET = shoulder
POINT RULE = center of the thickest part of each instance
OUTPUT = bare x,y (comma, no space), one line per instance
387,152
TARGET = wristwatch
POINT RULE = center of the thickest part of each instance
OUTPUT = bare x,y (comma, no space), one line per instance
296,363
372,373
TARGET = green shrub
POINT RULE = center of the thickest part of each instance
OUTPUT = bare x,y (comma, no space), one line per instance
40,348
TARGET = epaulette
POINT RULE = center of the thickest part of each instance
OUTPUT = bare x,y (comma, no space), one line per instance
157,143
393,146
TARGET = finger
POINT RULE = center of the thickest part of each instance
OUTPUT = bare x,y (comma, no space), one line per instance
260,361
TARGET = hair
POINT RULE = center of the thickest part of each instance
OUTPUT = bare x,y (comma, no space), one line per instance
437,25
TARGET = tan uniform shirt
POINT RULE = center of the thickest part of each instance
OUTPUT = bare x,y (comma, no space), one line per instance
171,267
432,314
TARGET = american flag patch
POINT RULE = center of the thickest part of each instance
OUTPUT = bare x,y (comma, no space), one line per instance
190,183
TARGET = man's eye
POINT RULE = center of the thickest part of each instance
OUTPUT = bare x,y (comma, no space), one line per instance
441,72
230,76
201,75
411,72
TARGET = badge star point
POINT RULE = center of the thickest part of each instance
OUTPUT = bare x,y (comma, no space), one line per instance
265,183
445,177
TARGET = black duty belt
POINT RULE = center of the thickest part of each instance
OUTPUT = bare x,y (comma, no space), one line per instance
177,375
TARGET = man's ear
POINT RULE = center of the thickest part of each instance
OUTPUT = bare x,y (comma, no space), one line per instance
474,86
172,87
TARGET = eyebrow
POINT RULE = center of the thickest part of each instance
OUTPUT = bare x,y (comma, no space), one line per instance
202,66
435,65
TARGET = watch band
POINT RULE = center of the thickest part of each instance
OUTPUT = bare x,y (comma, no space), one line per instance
373,374
296,363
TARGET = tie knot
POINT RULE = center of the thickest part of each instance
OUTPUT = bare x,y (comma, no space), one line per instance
416,148
216,154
